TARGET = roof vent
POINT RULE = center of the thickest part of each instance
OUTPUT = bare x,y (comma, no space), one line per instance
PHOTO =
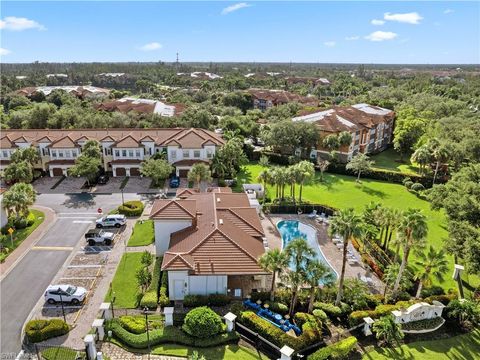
220,221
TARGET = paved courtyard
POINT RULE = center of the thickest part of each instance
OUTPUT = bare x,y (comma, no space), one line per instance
44,184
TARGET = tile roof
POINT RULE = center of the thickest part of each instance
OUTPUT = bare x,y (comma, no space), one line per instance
127,142
280,96
160,136
189,162
173,209
225,238
185,192
146,106
64,142
347,118
6,143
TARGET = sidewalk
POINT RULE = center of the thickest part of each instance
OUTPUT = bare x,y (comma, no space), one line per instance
30,241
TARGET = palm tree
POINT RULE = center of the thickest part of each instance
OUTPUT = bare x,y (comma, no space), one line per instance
440,153
412,231
306,170
264,177
219,167
18,198
292,175
274,261
422,157
316,271
298,252
198,173
387,329
430,264
348,224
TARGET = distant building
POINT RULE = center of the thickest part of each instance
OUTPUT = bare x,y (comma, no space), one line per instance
371,128
82,92
265,99
111,74
145,106
56,76
201,75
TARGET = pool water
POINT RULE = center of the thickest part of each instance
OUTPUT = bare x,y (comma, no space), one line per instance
293,229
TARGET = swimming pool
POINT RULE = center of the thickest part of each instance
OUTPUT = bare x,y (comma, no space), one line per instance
293,229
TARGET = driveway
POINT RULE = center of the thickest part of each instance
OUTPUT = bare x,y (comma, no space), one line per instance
112,186
71,185
139,185
44,184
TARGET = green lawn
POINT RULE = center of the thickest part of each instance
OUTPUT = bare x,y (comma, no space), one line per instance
22,234
389,160
124,284
462,347
227,352
143,233
340,191
62,353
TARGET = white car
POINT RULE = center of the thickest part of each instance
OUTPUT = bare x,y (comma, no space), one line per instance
111,221
65,293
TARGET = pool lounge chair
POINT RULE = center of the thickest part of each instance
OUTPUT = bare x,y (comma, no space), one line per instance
313,214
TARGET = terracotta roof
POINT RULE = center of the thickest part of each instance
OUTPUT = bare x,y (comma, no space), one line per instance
220,189
226,237
185,192
347,118
173,209
280,96
6,143
64,142
160,136
127,142
188,162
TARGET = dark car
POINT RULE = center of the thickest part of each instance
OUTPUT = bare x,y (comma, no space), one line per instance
103,179
174,182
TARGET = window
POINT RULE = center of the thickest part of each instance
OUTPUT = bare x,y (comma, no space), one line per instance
60,154
54,153
209,154
196,153
137,154
173,154
109,151
117,153
186,154
45,151
5,154
68,153
130,153
124,153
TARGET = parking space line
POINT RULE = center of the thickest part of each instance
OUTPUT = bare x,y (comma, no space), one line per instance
56,248
82,221
77,217
87,266
79,278
65,307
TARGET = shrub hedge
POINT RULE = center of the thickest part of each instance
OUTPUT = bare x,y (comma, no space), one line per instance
338,350
202,322
422,324
310,331
356,317
131,208
133,324
150,298
331,310
18,223
320,315
204,300
444,299
277,307
169,334
163,299
41,330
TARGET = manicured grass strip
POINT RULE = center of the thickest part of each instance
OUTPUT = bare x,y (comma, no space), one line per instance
462,347
228,352
388,160
62,353
22,234
341,191
143,233
124,182
124,284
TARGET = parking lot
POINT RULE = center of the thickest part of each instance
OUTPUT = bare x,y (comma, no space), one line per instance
139,185
112,186
44,185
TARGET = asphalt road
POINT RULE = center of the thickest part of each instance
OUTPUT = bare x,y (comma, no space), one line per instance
25,284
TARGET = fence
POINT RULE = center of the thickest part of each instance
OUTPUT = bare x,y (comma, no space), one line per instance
302,208
260,343
55,352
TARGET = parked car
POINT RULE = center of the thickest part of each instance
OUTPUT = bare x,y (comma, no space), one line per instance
103,179
174,182
65,293
111,221
98,236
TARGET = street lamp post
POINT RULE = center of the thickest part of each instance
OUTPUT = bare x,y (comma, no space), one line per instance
145,311
123,201
113,301
61,303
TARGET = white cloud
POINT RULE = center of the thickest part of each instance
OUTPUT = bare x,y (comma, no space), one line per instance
377,22
151,46
409,18
329,43
351,38
235,7
448,11
381,36
4,52
14,23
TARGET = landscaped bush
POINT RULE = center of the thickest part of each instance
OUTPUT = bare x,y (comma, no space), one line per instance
465,311
373,265
356,317
422,324
150,298
133,324
218,300
18,223
169,334
417,187
310,332
163,299
261,295
444,299
202,322
338,350
320,315
277,307
195,300
131,208
408,184
331,310
432,290
41,330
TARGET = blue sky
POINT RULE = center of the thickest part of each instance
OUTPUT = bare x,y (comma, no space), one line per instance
348,32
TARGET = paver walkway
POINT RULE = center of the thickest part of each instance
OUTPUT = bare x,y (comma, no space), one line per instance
117,353
30,241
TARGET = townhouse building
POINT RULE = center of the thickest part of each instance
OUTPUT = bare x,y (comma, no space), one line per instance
82,92
265,99
371,128
123,150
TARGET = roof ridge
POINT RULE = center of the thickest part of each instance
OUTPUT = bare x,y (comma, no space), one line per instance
243,219
175,256
193,215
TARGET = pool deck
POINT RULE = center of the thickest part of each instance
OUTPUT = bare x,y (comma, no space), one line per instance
330,251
